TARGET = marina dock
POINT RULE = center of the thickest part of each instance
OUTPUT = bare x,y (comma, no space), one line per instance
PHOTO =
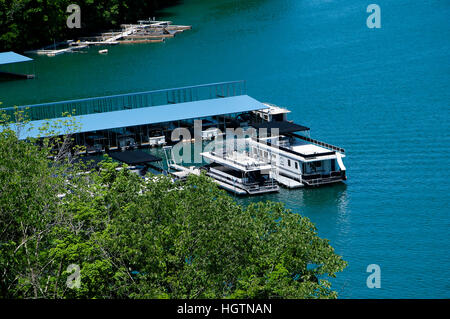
146,31
286,181
54,52
120,123
14,66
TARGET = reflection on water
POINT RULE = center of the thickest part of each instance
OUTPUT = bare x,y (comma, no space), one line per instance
333,194
329,201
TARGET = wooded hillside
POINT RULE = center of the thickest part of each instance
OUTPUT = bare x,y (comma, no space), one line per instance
31,24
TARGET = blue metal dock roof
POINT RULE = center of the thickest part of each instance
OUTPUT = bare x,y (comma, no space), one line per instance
126,101
12,57
148,115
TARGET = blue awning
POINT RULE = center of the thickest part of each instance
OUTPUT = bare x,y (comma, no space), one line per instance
147,115
12,57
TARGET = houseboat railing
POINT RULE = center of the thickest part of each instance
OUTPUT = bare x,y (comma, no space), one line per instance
226,156
129,100
288,150
317,142
317,179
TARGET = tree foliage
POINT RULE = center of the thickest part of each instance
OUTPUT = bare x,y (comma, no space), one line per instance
146,238
26,24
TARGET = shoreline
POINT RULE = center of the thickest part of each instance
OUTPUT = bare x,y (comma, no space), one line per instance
26,37
147,31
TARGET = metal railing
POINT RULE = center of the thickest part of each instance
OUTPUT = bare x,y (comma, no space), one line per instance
319,179
129,100
320,143
288,150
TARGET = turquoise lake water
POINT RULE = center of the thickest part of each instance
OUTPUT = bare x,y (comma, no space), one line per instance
382,94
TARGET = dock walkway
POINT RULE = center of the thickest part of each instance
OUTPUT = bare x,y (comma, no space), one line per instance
146,31
286,181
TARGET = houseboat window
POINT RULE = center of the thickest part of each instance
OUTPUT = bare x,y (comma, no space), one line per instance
296,165
289,162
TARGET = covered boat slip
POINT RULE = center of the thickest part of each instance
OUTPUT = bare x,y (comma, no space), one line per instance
128,121
139,161
12,66
172,114
127,101
134,157
141,119
279,127
12,57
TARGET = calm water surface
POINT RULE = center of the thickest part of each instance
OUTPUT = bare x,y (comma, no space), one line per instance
383,95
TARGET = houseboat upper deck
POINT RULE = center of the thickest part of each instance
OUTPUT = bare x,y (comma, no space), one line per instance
239,173
297,159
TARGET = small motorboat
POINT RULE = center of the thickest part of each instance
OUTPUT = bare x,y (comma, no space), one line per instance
104,51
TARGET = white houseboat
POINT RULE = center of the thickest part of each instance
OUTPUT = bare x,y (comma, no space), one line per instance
239,173
299,160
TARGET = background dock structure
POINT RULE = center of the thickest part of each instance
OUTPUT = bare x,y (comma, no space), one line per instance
48,51
146,31
15,66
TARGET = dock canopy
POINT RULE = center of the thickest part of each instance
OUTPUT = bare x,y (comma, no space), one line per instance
134,157
145,115
12,57
283,127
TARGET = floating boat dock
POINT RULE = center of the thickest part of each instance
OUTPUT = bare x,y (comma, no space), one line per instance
15,66
275,151
139,161
286,181
146,31
63,47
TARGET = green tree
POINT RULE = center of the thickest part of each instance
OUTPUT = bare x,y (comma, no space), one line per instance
28,24
146,238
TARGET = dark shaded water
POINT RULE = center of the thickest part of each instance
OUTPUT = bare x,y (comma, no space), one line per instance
383,95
